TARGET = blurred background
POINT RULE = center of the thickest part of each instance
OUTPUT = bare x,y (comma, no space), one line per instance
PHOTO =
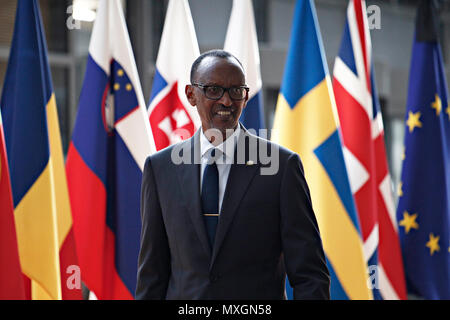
392,43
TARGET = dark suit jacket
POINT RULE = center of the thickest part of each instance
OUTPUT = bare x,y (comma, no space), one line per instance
267,228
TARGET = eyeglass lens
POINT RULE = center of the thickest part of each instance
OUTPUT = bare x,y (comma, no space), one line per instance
216,92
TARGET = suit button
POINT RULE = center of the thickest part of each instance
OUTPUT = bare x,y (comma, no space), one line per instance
214,277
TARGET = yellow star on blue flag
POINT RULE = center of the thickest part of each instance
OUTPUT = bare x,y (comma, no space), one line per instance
426,169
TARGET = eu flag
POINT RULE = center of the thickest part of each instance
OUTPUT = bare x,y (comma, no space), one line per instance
424,191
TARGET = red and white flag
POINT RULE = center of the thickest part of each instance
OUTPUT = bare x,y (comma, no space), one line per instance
171,116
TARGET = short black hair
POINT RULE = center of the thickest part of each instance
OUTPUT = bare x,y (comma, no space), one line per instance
212,53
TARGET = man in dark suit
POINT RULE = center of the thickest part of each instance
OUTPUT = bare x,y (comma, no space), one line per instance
226,214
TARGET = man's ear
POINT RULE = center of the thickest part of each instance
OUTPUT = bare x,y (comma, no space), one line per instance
190,95
245,101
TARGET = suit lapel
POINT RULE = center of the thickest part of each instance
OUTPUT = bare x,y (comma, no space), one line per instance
189,176
239,179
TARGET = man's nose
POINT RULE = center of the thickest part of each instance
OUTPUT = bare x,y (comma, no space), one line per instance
226,99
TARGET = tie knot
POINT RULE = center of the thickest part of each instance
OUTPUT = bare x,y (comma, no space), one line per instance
213,155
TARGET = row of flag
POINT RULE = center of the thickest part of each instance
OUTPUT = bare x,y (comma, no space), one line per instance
56,231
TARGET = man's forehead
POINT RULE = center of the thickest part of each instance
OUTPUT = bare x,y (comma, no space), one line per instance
212,64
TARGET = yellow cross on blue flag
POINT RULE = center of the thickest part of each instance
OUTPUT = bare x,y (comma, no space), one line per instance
307,123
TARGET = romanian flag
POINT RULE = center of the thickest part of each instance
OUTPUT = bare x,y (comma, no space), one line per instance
306,122
110,142
11,283
41,204
423,210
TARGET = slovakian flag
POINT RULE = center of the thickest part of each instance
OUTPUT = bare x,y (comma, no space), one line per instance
241,41
11,280
365,154
306,122
423,208
110,142
41,204
172,118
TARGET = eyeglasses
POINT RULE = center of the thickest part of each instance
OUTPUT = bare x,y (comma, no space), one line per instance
217,92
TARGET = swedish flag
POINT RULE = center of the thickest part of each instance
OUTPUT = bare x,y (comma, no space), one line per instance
307,123
423,209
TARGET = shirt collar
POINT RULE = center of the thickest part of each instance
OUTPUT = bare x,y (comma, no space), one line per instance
227,147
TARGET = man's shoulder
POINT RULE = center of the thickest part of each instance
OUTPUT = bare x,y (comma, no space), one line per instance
270,146
165,156
184,150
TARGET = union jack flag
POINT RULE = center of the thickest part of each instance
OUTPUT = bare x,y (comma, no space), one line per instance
365,154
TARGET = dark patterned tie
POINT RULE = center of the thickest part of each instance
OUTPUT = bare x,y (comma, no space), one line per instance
210,198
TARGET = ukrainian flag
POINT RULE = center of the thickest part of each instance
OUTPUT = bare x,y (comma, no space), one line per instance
306,122
41,204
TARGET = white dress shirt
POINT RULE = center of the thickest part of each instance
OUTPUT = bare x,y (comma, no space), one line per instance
223,163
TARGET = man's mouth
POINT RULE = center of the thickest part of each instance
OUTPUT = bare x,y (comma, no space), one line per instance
224,113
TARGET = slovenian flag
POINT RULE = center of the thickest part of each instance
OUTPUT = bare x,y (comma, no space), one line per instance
41,202
242,42
172,118
110,142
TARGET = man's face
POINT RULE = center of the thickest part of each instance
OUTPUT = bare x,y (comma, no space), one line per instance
219,114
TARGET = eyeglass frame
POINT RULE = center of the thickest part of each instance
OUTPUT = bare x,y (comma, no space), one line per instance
204,87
